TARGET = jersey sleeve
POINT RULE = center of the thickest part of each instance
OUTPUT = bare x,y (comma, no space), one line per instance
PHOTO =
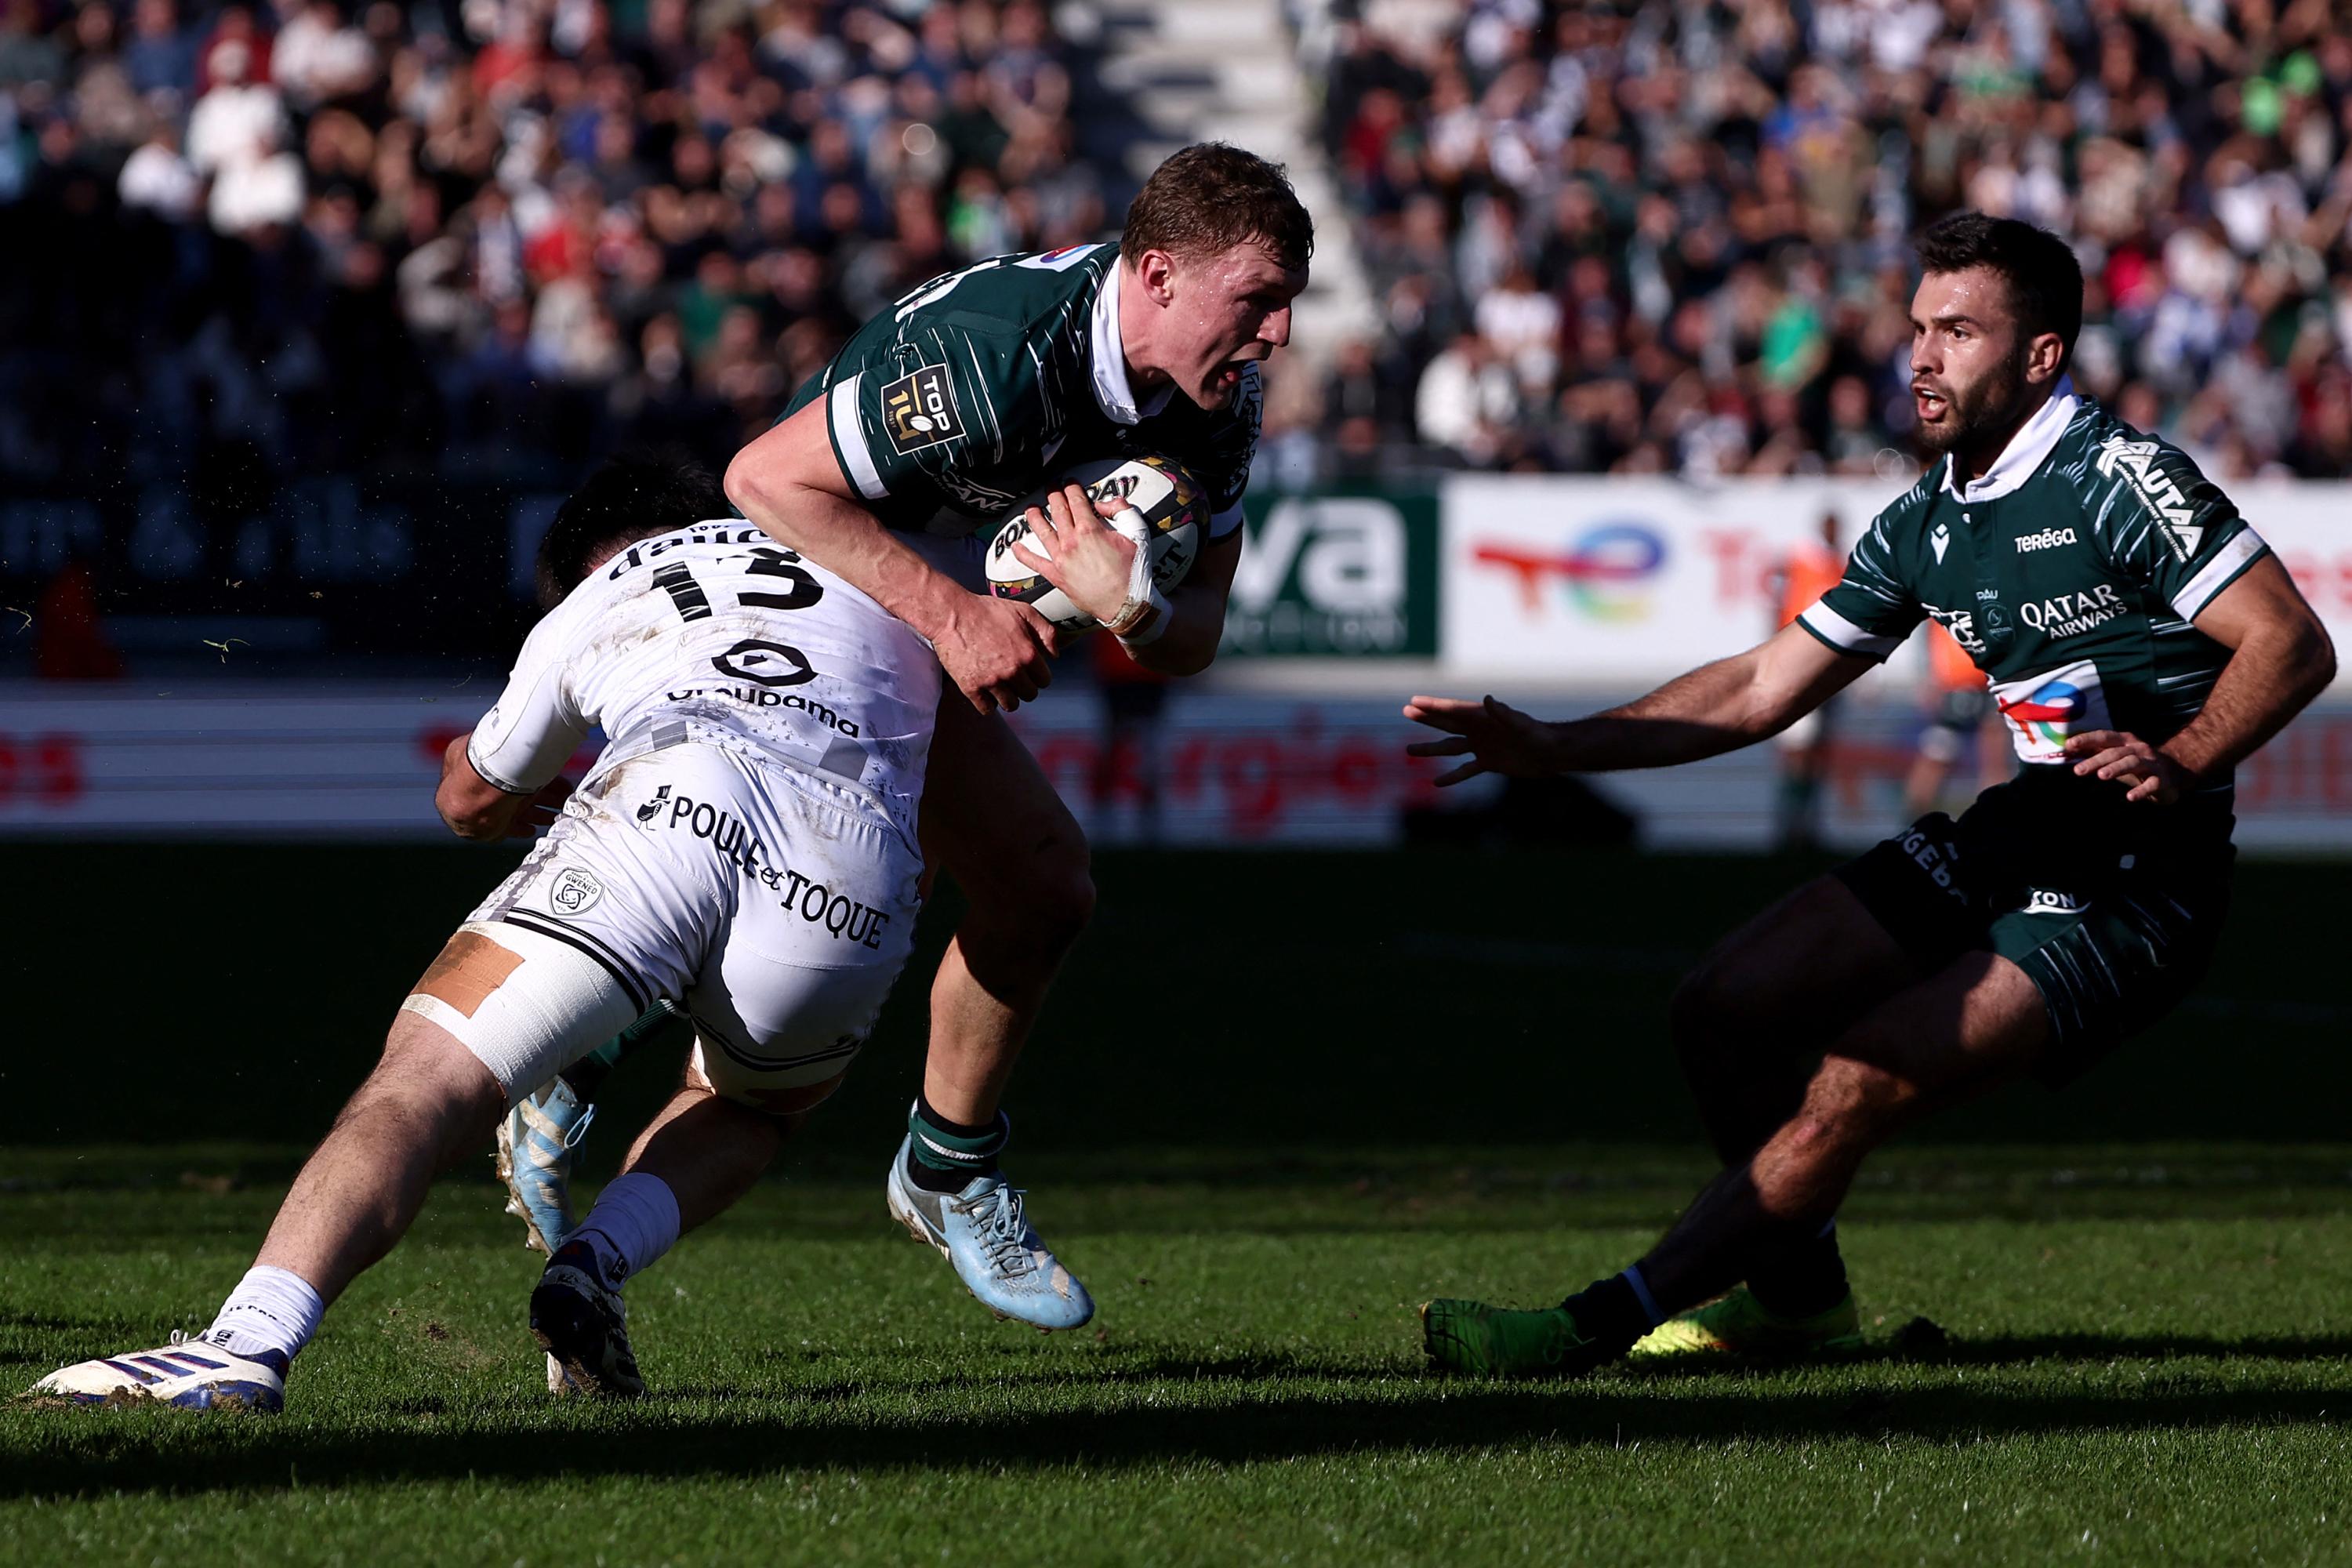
2166,526
525,739
931,420
1232,448
1871,609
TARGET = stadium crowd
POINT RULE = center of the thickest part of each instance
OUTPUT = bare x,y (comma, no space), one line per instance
246,240
478,237
1671,237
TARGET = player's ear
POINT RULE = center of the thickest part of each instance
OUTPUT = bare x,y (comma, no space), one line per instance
2045,356
1155,270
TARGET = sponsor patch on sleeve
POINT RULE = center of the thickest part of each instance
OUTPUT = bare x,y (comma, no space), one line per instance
918,410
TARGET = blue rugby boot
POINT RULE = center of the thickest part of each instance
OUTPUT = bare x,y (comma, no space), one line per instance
982,1232
187,1373
535,1158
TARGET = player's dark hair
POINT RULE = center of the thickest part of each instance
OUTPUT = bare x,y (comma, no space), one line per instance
2045,282
631,495
1213,196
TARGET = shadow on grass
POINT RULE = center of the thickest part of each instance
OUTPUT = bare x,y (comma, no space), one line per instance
813,1427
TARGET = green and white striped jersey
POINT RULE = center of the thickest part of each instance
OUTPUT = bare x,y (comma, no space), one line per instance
979,386
2071,572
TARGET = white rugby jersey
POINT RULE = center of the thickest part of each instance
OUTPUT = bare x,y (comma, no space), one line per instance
716,633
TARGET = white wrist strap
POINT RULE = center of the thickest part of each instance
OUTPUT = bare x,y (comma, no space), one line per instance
1152,633
1138,575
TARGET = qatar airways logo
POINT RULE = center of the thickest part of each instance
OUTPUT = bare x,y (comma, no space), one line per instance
2071,614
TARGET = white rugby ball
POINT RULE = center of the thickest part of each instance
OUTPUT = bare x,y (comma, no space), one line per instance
1166,513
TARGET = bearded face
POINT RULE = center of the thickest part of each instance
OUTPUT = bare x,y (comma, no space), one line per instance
1969,363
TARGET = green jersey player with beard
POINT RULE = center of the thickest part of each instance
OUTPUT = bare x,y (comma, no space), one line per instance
2141,641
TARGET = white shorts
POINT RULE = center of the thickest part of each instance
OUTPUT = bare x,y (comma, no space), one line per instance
774,907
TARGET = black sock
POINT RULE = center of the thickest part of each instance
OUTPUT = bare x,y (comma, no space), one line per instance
1610,1313
1799,1277
943,1156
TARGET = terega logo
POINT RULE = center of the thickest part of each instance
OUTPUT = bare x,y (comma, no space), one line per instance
2048,539
2176,520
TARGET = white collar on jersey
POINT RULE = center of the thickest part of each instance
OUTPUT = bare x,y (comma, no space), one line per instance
2034,440
1112,389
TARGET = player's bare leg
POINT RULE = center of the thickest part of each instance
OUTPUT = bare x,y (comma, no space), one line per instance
991,821
1979,1023
1748,1025
427,1103
1749,1022
1976,1024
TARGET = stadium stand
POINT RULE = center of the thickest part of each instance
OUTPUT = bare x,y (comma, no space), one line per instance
481,240
1655,238
490,238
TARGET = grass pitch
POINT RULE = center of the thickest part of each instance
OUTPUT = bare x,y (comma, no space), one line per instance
1278,1102
2138,1352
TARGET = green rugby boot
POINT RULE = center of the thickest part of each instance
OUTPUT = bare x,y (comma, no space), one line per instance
1472,1339
1738,1325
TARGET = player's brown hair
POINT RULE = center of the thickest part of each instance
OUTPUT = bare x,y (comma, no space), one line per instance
1213,196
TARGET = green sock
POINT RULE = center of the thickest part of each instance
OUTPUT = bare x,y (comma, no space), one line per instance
587,1075
943,1156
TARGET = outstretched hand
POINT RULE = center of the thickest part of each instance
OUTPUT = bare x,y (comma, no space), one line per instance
1495,737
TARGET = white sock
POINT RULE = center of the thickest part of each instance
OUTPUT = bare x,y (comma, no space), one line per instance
634,1222
270,1309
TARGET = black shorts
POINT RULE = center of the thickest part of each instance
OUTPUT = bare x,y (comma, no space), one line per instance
2114,929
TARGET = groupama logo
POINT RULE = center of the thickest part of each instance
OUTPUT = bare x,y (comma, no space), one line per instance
1604,570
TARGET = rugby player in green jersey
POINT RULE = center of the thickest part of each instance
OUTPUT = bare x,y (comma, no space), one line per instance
893,466
2141,641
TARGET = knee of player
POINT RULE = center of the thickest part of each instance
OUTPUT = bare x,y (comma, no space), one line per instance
1054,896
1849,1106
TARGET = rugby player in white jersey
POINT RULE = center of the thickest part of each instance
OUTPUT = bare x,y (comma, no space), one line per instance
891,468
744,847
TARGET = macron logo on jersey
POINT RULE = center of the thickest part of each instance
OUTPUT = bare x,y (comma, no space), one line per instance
2157,490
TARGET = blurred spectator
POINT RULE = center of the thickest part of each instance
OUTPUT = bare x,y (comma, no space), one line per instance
1681,228
494,236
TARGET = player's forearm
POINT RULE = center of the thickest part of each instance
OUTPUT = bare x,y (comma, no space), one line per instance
2269,679
1715,709
470,806
846,540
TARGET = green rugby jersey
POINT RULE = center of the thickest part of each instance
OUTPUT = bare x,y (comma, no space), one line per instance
2071,572
976,388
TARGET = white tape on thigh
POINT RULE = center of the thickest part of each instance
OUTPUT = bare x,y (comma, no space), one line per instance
551,1009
